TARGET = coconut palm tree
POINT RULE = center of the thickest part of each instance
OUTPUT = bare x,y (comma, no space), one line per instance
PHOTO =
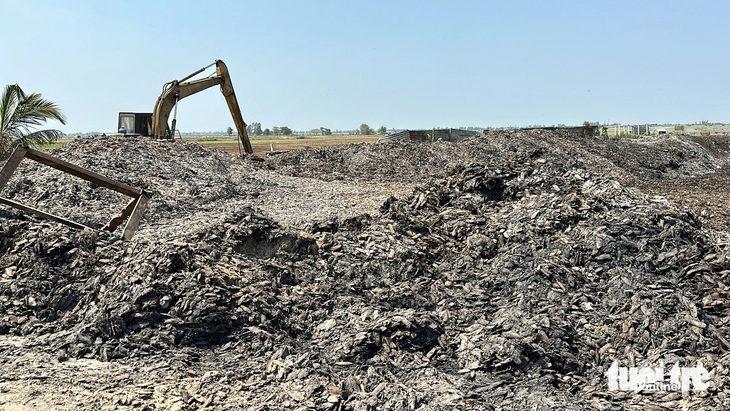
20,114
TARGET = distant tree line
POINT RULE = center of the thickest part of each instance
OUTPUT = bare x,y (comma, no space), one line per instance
255,129
365,130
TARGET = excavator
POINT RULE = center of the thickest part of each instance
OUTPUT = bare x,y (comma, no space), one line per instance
156,125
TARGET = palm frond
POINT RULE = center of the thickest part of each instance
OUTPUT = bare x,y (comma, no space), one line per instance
11,97
39,110
40,138
21,114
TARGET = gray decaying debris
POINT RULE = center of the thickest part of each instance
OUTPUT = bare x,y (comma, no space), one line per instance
511,277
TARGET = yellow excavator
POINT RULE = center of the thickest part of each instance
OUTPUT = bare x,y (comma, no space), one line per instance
155,124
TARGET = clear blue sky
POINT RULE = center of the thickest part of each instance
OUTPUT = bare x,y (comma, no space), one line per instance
399,64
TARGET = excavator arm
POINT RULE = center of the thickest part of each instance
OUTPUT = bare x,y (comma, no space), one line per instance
177,90
232,101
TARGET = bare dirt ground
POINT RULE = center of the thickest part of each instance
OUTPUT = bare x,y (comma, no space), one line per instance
706,195
502,272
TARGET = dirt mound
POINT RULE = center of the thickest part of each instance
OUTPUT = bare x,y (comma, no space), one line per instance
655,156
707,197
388,162
403,161
516,278
412,162
718,147
181,177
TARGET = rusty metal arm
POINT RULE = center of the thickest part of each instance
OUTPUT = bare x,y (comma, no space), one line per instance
42,214
133,210
10,165
83,173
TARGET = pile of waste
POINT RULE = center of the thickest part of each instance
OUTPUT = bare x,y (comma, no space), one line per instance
626,159
515,273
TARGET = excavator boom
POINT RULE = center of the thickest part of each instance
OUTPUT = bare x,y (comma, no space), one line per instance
177,90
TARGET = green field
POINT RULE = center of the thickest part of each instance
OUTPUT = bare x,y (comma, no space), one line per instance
56,144
263,145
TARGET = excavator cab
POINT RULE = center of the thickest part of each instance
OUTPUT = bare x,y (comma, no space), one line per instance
135,123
